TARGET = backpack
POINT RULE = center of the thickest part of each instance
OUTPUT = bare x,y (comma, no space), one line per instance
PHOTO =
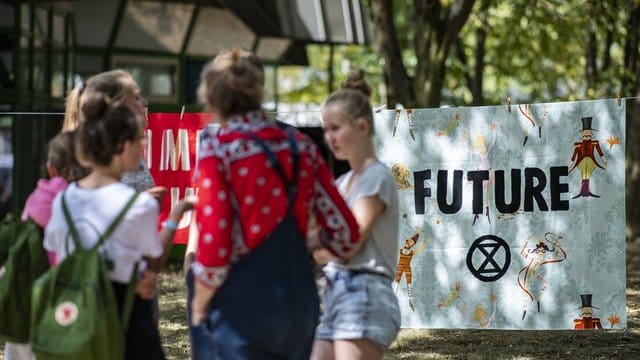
74,312
22,261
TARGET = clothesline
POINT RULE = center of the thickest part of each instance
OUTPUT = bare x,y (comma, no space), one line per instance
284,113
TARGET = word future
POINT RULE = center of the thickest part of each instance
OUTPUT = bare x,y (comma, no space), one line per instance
535,181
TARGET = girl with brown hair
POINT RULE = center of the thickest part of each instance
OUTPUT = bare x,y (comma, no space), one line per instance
260,185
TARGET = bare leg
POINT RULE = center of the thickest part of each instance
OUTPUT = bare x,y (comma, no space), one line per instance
322,350
357,349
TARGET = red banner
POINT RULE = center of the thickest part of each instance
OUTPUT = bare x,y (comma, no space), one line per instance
171,153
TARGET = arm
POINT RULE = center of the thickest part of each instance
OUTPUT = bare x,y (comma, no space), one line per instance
422,246
214,246
169,230
337,226
192,245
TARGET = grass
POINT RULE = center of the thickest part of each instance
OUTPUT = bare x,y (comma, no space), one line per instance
459,344
454,344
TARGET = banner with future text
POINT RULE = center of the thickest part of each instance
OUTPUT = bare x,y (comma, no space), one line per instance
511,217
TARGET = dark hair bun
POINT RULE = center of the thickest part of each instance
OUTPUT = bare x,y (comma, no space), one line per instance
94,105
356,81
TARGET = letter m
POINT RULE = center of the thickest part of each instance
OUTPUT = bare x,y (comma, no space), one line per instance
175,151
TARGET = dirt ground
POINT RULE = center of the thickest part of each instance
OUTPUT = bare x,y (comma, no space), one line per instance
509,344
454,344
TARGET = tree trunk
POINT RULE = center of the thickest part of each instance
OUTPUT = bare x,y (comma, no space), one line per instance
399,84
439,28
631,87
591,53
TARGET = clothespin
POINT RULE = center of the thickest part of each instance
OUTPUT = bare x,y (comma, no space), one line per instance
377,109
395,122
619,101
410,121
509,104
182,113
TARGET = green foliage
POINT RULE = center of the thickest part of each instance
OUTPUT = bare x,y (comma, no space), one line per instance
534,51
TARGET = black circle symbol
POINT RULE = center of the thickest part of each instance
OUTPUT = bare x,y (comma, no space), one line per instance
489,269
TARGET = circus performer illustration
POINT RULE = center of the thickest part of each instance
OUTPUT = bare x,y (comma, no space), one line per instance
404,263
584,157
531,278
480,318
482,148
586,321
451,127
401,174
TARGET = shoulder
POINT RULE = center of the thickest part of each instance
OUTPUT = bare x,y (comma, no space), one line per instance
380,171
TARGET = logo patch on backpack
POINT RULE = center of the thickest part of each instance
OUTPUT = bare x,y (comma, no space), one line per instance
66,313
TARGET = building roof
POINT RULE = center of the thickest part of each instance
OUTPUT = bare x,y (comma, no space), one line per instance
277,30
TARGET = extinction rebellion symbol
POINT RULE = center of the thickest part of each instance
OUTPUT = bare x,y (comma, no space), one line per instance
488,258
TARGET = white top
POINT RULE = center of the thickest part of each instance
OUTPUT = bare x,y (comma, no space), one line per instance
380,251
92,211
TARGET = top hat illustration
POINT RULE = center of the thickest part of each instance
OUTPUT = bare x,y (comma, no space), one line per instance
586,124
586,301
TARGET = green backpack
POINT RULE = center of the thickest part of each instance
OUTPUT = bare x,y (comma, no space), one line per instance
22,261
74,312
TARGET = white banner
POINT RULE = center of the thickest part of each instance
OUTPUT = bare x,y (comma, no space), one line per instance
511,217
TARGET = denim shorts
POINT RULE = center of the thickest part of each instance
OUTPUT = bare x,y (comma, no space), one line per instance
359,305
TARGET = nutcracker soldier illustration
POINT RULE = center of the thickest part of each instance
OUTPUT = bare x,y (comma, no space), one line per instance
584,157
587,321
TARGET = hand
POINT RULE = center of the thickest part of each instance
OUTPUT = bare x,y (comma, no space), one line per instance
322,256
158,193
313,239
186,204
146,285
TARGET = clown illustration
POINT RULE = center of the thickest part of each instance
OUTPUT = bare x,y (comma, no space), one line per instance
587,321
584,157
401,174
404,263
531,277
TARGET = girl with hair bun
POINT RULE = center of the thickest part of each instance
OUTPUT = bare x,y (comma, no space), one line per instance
361,317
109,141
261,184
118,87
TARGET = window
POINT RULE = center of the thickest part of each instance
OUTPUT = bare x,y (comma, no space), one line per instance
156,77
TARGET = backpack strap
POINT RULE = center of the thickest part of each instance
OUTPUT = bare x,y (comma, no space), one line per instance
290,185
130,294
74,231
127,305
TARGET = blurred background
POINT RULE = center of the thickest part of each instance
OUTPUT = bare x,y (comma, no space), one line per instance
417,53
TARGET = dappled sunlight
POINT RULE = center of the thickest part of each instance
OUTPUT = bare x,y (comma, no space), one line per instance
483,268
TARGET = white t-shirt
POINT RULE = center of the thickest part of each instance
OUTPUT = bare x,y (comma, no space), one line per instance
92,211
380,251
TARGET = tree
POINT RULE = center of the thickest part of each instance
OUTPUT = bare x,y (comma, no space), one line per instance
436,25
